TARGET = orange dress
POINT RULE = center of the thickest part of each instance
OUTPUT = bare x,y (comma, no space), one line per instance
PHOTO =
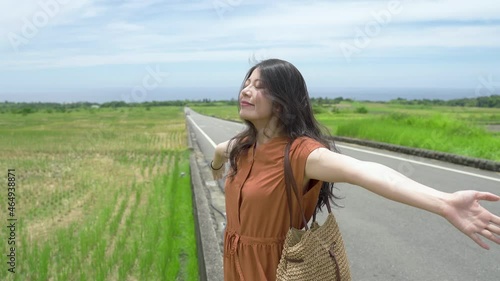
257,208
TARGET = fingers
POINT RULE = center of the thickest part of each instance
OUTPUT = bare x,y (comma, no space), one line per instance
491,236
494,228
478,241
490,232
218,174
487,196
496,220
475,221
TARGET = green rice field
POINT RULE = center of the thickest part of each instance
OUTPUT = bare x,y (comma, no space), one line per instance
100,194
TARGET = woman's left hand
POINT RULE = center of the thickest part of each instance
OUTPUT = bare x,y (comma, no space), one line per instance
465,213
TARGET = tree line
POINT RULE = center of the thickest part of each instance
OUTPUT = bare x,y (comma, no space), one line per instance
24,108
492,101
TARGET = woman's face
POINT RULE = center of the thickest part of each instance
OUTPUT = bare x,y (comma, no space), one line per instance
255,105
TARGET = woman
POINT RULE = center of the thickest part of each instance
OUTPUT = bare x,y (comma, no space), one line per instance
275,105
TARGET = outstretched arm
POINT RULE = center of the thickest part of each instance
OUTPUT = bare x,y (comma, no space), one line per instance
220,157
461,209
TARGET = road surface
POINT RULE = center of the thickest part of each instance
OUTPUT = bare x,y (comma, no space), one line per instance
386,240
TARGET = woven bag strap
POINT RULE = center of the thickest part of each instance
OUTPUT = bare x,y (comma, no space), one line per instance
290,183
328,207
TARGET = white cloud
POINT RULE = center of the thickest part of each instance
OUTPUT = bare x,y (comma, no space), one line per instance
89,32
93,11
124,26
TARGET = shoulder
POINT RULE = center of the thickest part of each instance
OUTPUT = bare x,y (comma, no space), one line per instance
306,144
302,147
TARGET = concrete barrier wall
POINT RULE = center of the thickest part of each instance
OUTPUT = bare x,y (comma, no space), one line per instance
207,243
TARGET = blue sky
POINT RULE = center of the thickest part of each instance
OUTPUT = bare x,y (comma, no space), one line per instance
96,50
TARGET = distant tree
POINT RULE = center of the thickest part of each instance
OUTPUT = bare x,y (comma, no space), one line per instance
26,110
338,100
361,110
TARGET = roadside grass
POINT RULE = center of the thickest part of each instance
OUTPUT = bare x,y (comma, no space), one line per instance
228,112
438,133
100,195
457,130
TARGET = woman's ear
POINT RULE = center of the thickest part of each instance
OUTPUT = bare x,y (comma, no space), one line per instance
277,108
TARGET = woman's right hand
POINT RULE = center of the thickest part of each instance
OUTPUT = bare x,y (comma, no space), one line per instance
218,173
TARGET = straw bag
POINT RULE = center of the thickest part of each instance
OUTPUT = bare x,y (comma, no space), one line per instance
316,253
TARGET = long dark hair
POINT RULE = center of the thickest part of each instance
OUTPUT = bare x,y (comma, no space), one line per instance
286,88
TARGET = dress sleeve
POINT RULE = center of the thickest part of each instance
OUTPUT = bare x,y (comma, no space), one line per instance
299,152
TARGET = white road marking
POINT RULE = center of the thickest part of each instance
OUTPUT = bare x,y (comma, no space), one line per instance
202,132
420,163
379,154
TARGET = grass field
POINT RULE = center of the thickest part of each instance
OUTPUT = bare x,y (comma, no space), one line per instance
458,130
100,195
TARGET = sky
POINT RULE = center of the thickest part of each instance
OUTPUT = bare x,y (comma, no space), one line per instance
102,50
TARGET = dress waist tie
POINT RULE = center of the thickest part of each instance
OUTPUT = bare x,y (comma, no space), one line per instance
234,239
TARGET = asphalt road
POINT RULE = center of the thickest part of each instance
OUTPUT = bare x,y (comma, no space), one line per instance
386,240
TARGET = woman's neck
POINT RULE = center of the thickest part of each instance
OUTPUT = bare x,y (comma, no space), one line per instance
268,132
264,137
